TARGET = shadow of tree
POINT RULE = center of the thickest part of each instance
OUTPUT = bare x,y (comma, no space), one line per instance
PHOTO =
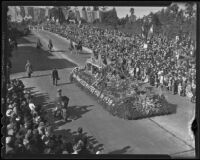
120,151
96,145
68,136
23,40
30,90
40,59
34,76
60,84
76,112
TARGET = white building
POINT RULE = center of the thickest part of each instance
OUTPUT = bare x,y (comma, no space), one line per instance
14,12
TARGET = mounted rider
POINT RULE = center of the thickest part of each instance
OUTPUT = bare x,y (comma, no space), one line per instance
61,103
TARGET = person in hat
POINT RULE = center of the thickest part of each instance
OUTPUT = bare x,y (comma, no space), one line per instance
55,76
39,44
29,68
50,45
9,145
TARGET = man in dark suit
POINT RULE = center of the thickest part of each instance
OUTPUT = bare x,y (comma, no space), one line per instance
50,45
55,76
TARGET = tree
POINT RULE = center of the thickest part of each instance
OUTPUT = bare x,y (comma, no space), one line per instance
41,15
132,17
132,11
88,8
84,9
71,15
104,8
174,8
61,16
95,8
54,13
22,11
30,12
189,9
110,17
126,18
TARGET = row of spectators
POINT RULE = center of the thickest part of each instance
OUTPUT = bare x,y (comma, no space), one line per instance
28,129
165,62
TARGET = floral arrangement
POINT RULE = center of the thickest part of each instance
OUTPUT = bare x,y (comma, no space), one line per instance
127,100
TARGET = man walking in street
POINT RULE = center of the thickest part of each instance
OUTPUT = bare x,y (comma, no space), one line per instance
28,68
55,76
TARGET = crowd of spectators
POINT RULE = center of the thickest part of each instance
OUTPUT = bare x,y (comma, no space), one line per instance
28,129
165,62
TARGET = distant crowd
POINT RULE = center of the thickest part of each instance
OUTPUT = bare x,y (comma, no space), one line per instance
169,63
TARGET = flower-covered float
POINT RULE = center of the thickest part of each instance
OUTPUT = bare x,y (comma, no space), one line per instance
124,98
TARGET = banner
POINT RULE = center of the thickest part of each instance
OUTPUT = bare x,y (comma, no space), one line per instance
150,33
94,91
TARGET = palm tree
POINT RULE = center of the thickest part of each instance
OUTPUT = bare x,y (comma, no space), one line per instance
189,9
174,8
83,8
132,11
88,8
95,8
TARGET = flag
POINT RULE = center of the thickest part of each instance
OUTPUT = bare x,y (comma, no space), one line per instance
99,59
142,28
143,35
150,33
151,29
79,23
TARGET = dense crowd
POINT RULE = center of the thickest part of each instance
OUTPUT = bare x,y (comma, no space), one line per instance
28,129
165,62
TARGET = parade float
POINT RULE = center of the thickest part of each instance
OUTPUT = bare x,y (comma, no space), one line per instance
124,98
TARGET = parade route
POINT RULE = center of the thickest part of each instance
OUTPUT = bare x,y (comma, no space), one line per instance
159,135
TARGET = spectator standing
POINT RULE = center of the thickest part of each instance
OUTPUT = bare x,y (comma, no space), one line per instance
50,45
29,68
55,76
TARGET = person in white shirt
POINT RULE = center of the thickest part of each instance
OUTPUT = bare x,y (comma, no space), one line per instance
161,80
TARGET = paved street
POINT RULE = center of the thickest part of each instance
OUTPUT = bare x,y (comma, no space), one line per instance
159,135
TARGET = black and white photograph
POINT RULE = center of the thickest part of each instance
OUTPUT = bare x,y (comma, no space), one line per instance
106,80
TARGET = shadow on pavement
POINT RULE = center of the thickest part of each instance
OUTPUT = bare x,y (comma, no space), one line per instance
68,136
96,145
120,151
23,40
61,84
172,108
76,112
34,76
40,59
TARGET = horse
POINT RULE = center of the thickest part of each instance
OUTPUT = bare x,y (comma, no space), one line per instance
62,108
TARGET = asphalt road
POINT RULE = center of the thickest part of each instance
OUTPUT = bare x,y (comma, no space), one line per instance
159,135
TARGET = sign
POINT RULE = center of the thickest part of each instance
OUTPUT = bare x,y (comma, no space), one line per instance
93,90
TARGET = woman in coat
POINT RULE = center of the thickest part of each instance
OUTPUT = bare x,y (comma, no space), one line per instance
29,68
